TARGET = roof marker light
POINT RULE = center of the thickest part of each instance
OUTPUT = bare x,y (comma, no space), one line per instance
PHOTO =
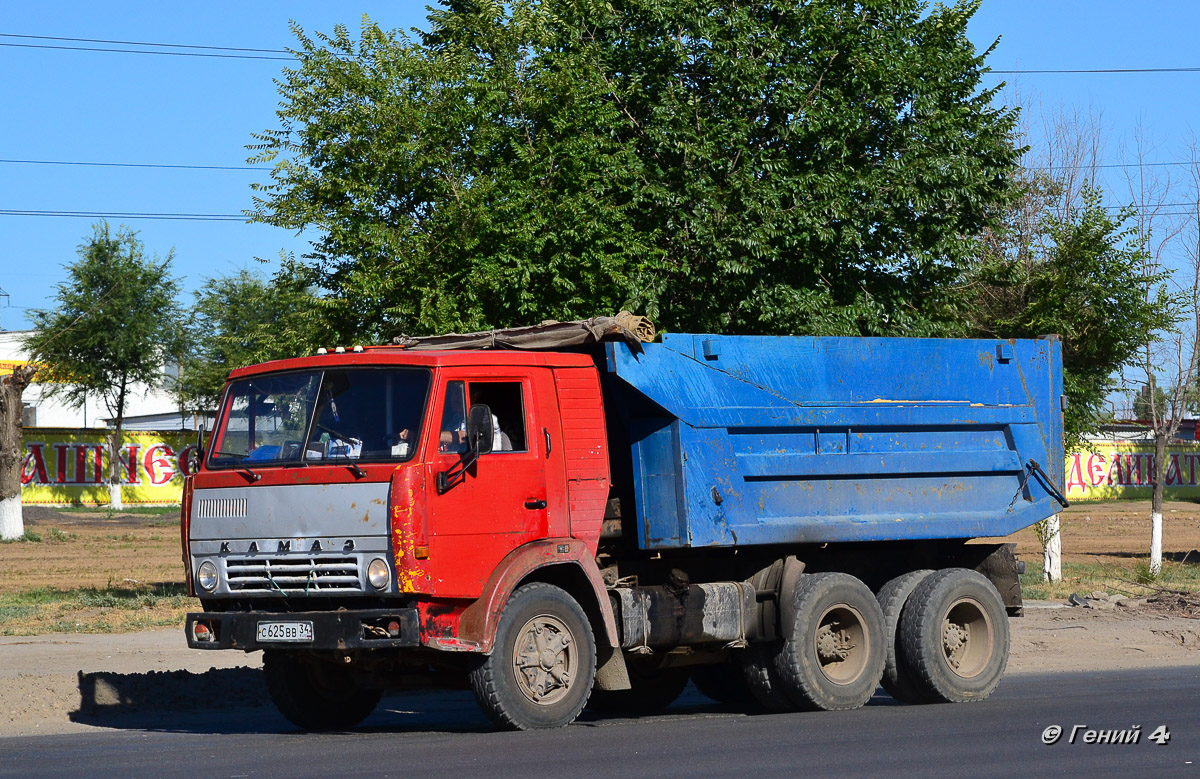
322,350
340,350
357,349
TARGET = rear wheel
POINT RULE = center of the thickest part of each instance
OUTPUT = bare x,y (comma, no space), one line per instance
651,690
316,694
723,682
954,636
542,665
897,678
834,657
757,663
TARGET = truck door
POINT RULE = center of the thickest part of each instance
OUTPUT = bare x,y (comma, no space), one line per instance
502,502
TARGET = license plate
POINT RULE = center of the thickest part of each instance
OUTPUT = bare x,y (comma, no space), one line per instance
285,631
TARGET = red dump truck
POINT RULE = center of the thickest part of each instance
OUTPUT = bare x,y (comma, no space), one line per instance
782,520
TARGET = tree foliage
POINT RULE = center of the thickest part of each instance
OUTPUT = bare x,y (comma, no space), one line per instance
1150,400
115,324
242,320
1082,277
768,168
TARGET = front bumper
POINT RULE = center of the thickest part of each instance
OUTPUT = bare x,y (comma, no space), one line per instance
332,630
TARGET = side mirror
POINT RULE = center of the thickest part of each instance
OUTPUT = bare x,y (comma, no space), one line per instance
479,441
479,428
196,456
194,460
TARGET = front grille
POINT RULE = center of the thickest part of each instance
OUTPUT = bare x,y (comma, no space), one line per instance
292,575
220,508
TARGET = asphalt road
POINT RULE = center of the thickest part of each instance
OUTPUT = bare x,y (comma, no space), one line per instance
444,734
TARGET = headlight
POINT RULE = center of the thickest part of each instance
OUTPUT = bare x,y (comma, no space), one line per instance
206,576
378,574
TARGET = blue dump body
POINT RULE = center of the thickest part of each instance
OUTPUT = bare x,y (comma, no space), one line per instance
739,440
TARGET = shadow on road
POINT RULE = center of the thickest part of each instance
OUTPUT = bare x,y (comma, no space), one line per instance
154,699
235,700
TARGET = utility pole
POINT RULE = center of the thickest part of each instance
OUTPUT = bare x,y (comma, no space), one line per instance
3,305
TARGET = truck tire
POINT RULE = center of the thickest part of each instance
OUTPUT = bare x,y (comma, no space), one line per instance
897,678
651,690
954,636
543,662
315,694
723,682
757,662
833,660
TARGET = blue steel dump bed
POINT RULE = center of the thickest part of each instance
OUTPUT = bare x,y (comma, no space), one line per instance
740,440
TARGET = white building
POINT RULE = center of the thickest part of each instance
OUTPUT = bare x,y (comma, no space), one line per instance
146,407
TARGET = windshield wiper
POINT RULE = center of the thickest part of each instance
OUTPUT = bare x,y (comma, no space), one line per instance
249,474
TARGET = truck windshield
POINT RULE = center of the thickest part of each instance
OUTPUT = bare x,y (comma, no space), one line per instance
317,416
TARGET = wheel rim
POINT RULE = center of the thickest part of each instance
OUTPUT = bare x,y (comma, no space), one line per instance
545,662
967,637
842,644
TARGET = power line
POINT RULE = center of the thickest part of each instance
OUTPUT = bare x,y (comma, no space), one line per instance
251,167
131,165
126,215
1097,70
1107,165
141,43
1144,206
144,51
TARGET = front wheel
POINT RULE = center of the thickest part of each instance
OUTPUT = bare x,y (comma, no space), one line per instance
954,636
541,668
316,694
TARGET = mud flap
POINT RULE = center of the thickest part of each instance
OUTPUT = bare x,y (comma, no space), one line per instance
611,673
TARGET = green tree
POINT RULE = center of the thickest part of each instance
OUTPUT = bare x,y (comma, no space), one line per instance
242,320
1150,400
1082,277
770,168
115,325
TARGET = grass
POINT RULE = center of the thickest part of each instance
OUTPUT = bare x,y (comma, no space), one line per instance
29,537
1132,579
56,536
148,511
53,536
94,609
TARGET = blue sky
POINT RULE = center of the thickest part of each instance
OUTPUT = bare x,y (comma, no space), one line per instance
82,106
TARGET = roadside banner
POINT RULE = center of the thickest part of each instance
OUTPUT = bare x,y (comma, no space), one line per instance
1107,471
70,467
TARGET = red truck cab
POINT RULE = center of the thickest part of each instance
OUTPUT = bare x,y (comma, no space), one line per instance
341,509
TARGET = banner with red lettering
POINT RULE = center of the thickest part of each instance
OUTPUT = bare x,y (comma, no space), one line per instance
65,467
1124,471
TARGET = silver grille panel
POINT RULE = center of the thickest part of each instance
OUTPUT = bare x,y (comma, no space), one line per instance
292,575
220,508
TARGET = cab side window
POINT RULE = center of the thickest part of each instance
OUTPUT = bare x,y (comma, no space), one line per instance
453,431
505,398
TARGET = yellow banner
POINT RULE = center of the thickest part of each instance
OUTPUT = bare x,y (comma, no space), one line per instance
70,467
64,467
1124,470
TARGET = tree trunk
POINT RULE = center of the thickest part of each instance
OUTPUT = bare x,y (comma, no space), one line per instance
1052,551
114,471
1156,503
12,523
115,477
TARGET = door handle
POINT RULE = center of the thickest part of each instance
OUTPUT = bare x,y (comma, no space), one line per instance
534,503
